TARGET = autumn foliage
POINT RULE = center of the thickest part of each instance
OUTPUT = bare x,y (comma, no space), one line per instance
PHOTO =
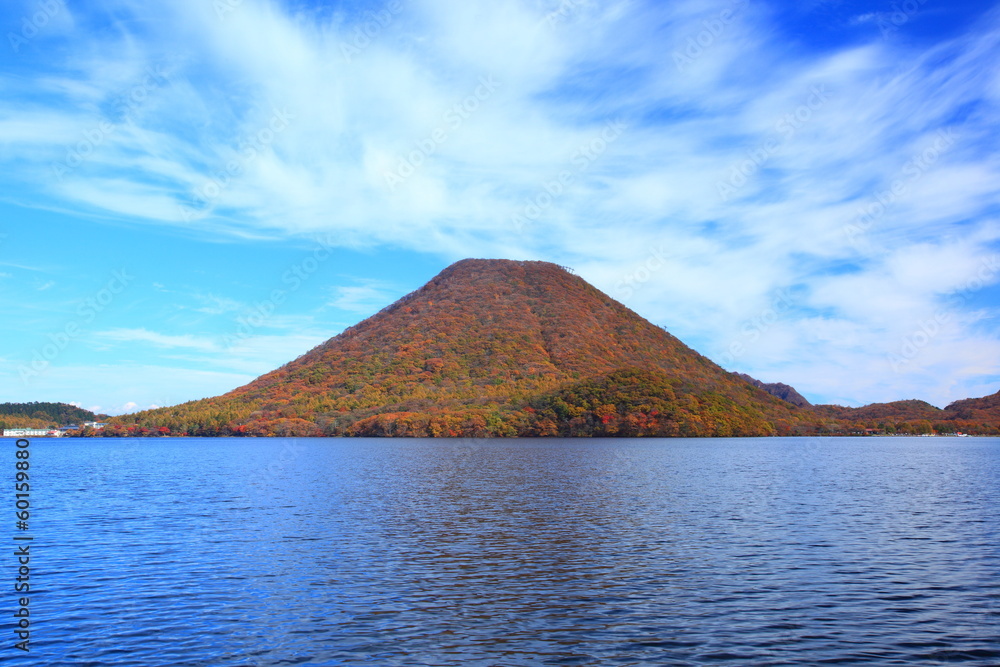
495,348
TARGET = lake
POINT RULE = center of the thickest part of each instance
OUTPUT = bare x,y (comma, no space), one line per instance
765,551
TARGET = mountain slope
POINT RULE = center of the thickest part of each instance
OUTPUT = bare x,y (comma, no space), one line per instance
780,389
984,409
480,321
467,354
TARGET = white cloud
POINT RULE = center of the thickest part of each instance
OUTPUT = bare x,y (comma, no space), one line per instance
157,339
259,354
217,305
368,298
261,127
244,350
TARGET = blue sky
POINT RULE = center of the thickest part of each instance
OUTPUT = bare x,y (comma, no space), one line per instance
196,192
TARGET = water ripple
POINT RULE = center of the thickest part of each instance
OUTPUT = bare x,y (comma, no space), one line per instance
548,552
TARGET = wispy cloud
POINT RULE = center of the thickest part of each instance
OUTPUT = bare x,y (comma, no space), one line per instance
129,336
23,267
255,354
217,305
367,298
751,159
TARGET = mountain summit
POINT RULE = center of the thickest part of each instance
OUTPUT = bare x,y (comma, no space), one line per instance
779,389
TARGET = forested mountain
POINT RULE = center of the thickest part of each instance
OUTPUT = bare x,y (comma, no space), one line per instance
505,348
976,409
492,347
43,415
972,415
905,410
779,389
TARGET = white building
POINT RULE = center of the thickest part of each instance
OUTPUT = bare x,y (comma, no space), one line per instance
30,432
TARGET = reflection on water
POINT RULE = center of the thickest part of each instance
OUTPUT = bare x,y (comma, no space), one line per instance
525,552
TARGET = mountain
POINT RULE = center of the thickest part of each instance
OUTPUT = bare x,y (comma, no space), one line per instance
43,415
493,347
779,389
972,409
897,410
519,348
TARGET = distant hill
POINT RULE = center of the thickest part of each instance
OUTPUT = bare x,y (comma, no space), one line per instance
984,409
897,410
973,415
779,389
43,415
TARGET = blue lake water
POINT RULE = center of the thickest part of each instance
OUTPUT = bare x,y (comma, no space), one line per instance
880,551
